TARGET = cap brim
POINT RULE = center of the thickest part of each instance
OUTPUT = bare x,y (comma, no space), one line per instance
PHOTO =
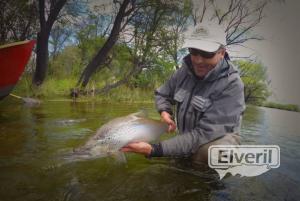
203,45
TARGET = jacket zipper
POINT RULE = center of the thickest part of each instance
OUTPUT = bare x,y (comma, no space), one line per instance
187,106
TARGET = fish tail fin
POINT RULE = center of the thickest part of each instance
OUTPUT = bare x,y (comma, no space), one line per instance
74,156
62,158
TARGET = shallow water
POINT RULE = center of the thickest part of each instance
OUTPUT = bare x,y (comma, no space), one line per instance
32,138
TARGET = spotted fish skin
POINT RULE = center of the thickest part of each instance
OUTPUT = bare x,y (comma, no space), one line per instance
115,134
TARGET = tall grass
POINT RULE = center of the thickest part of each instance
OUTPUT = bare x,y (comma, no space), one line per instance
50,88
60,89
126,94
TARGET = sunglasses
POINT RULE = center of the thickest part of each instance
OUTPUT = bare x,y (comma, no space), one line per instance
204,54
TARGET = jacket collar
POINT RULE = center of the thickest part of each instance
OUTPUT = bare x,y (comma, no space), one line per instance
223,68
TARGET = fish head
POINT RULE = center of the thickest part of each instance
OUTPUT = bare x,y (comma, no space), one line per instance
152,128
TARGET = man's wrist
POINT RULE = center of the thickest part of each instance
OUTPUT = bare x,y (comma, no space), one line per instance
156,150
167,111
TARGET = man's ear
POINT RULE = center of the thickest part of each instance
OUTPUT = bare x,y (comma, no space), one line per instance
222,52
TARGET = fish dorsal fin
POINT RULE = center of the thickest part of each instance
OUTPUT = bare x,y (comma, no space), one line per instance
139,114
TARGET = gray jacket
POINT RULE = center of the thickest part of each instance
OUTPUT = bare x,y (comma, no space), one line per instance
206,109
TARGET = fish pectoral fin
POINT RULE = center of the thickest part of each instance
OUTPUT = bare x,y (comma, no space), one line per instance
119,156
99,142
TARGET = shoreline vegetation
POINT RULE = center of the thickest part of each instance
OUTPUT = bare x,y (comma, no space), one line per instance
60,90
288,107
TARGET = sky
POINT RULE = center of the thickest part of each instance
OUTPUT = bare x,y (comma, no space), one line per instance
279,52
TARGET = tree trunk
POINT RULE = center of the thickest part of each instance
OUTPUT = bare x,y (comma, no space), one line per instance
135,71
41,58
43,37
100,57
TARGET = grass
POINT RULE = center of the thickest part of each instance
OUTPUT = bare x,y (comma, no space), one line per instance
59,89
289,107
50,88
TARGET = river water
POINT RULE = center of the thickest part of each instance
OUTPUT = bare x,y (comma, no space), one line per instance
32,138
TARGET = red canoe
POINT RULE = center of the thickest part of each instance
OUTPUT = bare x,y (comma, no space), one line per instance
13,59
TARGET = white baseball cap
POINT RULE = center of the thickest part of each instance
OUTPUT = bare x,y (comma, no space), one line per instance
205,36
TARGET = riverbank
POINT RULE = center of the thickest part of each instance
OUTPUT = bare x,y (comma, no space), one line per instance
288,107
60,90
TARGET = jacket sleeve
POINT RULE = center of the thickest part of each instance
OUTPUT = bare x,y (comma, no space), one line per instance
221,117
164,94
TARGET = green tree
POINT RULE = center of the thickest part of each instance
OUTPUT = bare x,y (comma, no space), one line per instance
101,56
67,63
254,76
18,20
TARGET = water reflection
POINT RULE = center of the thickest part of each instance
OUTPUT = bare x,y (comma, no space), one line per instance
32,137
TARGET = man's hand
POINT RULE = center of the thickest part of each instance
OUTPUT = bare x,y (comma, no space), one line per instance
138,147
166,117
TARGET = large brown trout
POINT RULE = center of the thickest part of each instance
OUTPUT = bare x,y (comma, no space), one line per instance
115,134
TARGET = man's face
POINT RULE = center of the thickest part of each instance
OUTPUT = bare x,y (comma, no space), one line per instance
202,65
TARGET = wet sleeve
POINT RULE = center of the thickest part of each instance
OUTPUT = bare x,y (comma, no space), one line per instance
156,150
223,116
165,93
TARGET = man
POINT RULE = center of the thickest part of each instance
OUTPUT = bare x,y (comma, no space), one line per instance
209,98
